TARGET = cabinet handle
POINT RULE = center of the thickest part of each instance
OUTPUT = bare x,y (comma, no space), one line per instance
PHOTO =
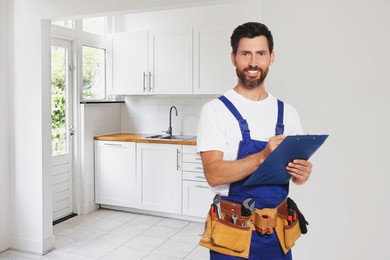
177,159
199,168
201,186
198,158
120,145
200,177
150,81
144,81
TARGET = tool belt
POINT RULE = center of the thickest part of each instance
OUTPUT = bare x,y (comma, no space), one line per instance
229,231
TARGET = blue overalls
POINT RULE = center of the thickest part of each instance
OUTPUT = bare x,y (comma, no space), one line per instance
263,247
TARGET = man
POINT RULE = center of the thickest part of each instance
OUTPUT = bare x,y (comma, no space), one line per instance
238,131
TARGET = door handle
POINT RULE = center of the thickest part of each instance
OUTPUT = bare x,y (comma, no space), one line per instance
150,81
144,81
71,131
177,159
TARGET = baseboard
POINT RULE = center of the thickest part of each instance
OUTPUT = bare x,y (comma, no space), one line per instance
88,208
4,243
37,247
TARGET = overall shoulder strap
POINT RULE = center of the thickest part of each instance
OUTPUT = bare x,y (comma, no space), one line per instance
279,124
241,121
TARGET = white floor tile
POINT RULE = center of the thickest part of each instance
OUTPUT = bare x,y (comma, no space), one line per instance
114,235
199,253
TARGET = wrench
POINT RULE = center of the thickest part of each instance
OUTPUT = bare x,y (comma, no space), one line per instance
234,218
217,202
248,209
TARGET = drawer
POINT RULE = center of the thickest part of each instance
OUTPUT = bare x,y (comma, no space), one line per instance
191,157
193,167
194,176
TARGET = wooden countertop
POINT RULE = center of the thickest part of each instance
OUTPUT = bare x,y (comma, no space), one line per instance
141,138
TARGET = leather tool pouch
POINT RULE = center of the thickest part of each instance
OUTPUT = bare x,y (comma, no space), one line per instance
265,220
225,237
287,232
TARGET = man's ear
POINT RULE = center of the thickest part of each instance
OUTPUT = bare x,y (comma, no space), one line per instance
233,58
272,58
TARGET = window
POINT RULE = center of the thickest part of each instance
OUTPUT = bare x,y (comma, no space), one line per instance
94,73
59,65
95,25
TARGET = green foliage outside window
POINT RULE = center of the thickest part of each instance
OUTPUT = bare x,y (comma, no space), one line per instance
93,73
93,88
58,94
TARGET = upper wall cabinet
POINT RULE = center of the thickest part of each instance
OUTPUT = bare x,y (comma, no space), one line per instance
170,61
213,69
165,59
154,62
130,63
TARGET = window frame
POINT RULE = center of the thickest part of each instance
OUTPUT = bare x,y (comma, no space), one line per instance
79,39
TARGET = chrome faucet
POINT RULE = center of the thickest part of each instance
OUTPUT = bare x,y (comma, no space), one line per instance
169,131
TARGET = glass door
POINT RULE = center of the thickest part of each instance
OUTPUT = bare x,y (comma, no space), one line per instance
62,131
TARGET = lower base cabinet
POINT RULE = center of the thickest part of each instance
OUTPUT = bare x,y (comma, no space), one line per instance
197,195
159,166
163,178
197,198
115,174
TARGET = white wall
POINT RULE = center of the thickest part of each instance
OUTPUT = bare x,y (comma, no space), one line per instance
332,62
234,13
150,114
4,157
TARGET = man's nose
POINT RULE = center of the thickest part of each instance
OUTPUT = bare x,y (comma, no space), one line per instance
253,61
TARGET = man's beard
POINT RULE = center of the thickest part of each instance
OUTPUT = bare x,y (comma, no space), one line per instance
248,82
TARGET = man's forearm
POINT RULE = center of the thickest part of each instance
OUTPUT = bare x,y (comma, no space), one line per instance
219,172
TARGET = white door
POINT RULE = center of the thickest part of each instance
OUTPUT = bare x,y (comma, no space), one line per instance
170,61
115,174
130,63
158,166
62,131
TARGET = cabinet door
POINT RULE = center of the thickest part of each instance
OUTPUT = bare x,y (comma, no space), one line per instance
197,198
170,61
130,63
214,72
159,168
115,174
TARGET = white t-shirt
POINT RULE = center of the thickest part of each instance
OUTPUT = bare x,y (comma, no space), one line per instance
219,130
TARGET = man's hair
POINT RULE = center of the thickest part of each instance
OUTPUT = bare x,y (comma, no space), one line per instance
251,30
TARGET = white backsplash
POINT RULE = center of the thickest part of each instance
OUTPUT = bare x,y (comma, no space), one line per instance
150,114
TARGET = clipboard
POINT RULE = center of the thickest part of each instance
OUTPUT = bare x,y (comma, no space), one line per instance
273,169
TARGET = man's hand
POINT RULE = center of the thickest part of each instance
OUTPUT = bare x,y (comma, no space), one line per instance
300,170
273,142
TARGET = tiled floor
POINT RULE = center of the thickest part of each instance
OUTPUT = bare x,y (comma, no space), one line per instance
114,235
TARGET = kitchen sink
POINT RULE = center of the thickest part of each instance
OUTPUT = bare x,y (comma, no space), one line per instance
173,137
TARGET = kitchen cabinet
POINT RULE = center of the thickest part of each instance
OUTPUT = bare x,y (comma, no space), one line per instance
160,170
170,61
153,62
115,174
197,195
129,63
213,69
